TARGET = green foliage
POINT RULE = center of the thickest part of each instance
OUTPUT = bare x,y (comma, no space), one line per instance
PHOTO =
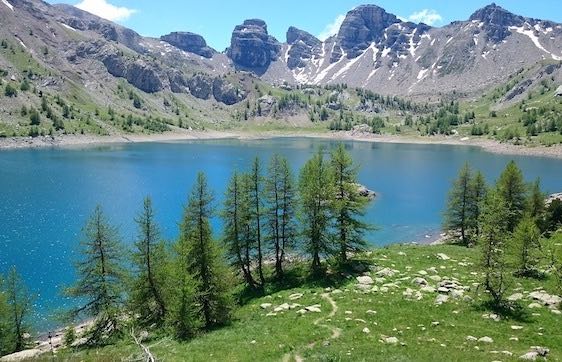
204,259
463,205
15,310
236,215
280,200
511,188
349,206
10,91
69,336
149,260
494,225
256,193
316,187
526,247
101,277
34,117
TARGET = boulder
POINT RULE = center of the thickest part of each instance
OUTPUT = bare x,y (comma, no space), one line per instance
485,339
365,279
200,86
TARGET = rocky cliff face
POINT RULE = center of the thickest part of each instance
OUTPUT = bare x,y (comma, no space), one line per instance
189,42
251,47
362,26
303,46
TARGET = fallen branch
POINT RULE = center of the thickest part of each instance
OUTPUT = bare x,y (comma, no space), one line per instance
146,351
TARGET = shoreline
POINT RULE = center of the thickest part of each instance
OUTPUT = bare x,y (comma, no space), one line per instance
487,145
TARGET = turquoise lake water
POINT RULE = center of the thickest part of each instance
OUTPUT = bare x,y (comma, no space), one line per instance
46,195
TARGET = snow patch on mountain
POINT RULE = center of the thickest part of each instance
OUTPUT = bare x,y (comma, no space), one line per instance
5,2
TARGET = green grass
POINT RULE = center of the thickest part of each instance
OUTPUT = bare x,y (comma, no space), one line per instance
254,336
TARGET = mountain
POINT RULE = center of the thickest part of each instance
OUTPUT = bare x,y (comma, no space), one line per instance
376,50
90,64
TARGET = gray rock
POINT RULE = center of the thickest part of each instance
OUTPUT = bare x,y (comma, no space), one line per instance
228,93
251,47
189,42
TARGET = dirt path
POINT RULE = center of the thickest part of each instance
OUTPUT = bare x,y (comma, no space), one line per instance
336,332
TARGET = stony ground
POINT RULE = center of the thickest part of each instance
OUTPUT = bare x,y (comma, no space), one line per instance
405,303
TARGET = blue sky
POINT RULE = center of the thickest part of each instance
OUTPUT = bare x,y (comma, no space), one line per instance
215,19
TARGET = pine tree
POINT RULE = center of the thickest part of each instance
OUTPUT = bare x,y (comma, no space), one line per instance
18,302
280,198
460,204
236,216
511,188
149,260
203,257
349,205
316,194
526,244
100,278
256,190
494,226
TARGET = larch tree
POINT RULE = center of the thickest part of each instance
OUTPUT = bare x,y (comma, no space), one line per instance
512,189
204,258
349,206
478,190
149,260
460,204
4,325
536,201
100,279
236,219
16,304
280,214
256,192
317,195
526,247
494,224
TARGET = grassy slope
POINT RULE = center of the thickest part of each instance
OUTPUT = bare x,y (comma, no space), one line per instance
253,336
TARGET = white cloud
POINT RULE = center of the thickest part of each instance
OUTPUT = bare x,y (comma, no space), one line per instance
332,28
427,16
105,10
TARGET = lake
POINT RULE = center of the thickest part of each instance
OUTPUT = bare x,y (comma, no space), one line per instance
47,194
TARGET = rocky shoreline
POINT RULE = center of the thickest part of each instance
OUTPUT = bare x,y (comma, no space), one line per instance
488,145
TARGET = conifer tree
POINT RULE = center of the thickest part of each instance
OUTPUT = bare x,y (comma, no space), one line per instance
280,198
4,326
349,205
494,224
203,257
478,190
149,259
316,194
100,278
236,216
526,244
512,189
256,190
460,204
18,304
536,201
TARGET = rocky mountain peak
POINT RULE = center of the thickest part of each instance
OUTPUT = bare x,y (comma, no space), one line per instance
302,46
363,25
496,21
189,42
251,47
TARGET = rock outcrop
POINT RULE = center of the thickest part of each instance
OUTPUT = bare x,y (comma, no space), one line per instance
302,46
227,92
496,21
189,42
251,47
